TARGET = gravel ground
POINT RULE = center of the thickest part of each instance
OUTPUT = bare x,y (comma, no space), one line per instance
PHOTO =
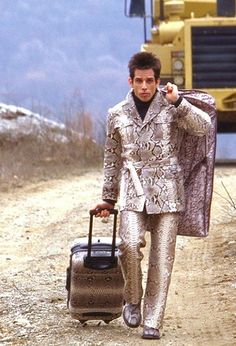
39,223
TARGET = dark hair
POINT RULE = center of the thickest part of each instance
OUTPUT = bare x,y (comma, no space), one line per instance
144,61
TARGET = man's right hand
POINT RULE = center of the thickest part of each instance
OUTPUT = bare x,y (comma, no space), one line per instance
103,209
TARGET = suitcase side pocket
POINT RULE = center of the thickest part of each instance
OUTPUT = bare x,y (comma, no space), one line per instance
68,281
68,276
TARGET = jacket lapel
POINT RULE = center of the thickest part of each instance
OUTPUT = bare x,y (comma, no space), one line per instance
155,108
131,111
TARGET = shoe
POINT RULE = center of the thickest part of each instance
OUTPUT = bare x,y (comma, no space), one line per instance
150,333
132,315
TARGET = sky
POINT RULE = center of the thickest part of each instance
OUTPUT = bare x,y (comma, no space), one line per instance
54,49
51,49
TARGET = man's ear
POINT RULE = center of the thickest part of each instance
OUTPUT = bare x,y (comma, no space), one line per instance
130,81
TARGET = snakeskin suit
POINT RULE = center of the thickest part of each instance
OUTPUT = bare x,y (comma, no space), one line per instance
141,157
141,166
163,228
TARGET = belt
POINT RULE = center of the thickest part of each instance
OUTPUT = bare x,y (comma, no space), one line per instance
134,176
132,166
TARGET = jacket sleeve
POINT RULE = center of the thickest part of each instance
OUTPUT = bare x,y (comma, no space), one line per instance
192,119
112,161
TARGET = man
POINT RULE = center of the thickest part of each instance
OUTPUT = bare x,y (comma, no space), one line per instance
144,134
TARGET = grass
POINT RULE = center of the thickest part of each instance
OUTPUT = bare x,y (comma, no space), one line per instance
31,159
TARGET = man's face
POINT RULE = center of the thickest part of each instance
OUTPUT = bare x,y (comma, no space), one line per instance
144,84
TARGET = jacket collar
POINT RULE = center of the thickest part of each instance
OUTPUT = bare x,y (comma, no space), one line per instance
155,107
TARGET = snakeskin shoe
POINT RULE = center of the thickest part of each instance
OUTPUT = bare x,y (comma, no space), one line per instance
132,315
150,333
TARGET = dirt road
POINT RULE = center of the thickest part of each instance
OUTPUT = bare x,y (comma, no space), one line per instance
39,222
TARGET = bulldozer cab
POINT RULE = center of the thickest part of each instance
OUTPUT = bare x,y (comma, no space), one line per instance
196,43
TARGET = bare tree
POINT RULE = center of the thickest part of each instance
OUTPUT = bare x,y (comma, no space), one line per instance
73,111
229,199
38,107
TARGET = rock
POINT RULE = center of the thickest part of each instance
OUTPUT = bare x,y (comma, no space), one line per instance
17,122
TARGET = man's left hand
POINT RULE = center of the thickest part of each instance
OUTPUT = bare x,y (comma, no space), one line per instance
172,94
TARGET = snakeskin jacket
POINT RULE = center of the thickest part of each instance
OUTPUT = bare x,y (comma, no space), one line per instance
141,161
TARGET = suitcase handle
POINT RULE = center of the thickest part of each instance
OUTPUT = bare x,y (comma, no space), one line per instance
104,262
96,211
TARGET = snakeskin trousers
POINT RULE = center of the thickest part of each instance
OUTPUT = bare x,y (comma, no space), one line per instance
163,228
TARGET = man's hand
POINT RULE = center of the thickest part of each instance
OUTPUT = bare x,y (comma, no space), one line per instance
172,93
103,209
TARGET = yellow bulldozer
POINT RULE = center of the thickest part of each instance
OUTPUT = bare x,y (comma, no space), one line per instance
196,43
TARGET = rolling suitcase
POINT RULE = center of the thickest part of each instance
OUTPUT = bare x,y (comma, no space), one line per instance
94,278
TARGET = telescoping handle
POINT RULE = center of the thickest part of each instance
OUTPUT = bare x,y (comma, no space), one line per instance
94,261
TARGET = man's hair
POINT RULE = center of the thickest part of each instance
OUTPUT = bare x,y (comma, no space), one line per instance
144,61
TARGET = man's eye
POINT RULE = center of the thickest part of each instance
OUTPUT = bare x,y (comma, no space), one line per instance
138,81
150,80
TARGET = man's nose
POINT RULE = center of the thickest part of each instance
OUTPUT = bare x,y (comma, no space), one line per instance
144,85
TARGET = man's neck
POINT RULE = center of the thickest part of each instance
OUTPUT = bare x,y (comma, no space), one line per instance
142,107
